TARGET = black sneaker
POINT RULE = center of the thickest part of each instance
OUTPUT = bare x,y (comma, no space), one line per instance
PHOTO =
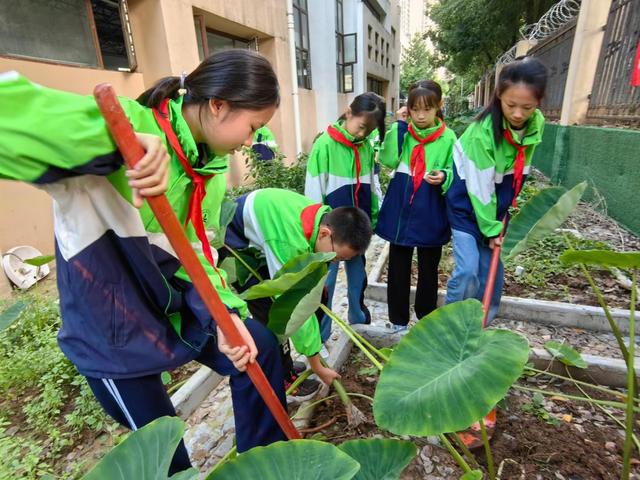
305,391
298,368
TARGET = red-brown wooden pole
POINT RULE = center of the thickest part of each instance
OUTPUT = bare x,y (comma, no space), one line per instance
491,276
132,151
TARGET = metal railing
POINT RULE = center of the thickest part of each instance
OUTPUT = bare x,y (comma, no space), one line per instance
555,53
613,99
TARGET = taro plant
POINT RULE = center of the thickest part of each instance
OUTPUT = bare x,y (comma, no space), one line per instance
147,452
629,261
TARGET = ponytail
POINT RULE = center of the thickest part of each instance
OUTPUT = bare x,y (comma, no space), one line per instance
242,78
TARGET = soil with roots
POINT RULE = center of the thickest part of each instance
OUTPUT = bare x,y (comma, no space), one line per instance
556,439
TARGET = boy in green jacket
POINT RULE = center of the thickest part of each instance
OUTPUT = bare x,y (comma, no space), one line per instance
282,225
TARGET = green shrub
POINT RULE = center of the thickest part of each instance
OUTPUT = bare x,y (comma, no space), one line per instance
273,173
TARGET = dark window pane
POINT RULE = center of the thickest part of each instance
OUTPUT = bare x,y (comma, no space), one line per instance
217,43
47,29
110,35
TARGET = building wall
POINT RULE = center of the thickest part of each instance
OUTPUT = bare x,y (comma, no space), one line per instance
165,41
379,69
606,157
322,32
26,212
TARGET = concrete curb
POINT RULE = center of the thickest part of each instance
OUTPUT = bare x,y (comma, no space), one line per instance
607,371
523,309
194,391
601,370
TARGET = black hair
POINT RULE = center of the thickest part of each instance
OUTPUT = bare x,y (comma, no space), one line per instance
371,104
427,92
529,71
349,226
242,78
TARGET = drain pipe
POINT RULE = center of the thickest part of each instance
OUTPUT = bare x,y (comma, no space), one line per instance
294,77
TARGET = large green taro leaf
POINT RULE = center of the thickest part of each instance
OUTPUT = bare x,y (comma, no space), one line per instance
539,217
292,460
290,274
294,307
447,372
602,258
145,454
11,314
379,459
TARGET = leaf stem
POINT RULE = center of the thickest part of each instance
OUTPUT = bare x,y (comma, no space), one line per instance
454,453
487,450
631,377
352,336
619,405
578,382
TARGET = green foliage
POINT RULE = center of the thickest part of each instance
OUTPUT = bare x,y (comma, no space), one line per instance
145,455
291,273
471,34
11,314
602,258
46,404
565,353
447,372
273,174
415,64
379,459
539,217
384,177
473,475
39,261
293,460
294,307
460,122
536,407
542,262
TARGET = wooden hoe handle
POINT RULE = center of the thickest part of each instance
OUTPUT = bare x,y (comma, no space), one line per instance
132,151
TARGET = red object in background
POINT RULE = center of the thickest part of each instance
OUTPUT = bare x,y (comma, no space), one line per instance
132,151
635,75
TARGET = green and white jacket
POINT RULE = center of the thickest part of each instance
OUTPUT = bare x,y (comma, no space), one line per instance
128,307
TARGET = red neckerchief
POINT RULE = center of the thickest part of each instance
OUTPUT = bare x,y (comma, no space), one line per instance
308,218
518,165
418,163
340,138
199,183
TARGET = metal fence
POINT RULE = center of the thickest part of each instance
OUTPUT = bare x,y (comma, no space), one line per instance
613,99
555,53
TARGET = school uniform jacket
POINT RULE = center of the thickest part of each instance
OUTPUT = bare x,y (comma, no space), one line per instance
128,308
423,222
264,144
282,225
331,174
482,189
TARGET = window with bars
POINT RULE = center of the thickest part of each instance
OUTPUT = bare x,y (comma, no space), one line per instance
303,59
87,33
346,52
211,41
375,85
